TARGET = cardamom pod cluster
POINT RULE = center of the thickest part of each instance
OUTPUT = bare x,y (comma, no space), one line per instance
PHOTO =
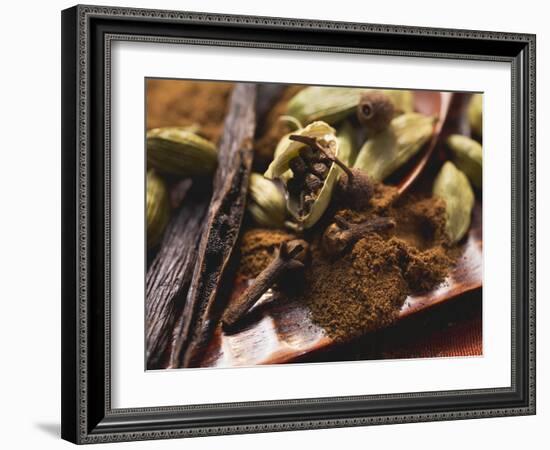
467,155
179,151
454,188
266,202
475,114
333,104
158,208
309,175
385,152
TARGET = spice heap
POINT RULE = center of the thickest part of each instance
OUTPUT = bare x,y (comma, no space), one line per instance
364,289
257,248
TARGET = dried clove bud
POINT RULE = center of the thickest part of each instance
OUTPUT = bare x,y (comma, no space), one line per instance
290,255
375,111
341,235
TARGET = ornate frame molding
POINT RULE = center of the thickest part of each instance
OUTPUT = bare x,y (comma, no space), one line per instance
80,423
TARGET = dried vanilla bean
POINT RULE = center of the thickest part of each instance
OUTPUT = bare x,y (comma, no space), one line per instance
221,229
170,273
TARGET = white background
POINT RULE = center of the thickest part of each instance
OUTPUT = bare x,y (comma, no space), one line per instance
30,226
133,387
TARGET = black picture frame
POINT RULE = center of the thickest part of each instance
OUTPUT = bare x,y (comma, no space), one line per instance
87,32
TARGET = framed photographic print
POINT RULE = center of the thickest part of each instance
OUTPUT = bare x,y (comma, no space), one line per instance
281,224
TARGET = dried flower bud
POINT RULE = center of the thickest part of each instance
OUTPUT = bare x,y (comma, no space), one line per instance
341,235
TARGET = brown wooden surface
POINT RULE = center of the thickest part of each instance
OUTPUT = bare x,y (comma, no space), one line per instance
221,228
283,332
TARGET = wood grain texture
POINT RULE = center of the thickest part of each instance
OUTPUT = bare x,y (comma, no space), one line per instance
221,228
170,272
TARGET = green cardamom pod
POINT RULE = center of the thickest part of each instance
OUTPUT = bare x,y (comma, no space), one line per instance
475,114
403,99
385,152
467,155
308,194
333,104
266,202
179,151
158,208
454,188
348,149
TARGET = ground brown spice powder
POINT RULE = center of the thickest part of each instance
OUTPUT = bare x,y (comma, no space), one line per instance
257,248
364,289
183,103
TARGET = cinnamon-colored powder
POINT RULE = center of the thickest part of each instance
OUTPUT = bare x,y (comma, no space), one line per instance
257,248
184,103
365,288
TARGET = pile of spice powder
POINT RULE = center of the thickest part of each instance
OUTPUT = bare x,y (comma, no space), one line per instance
188,103
257,249
364,289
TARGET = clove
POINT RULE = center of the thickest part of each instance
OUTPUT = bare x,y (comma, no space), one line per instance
341,235
291,255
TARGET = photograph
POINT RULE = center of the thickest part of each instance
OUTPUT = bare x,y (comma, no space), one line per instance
291,223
